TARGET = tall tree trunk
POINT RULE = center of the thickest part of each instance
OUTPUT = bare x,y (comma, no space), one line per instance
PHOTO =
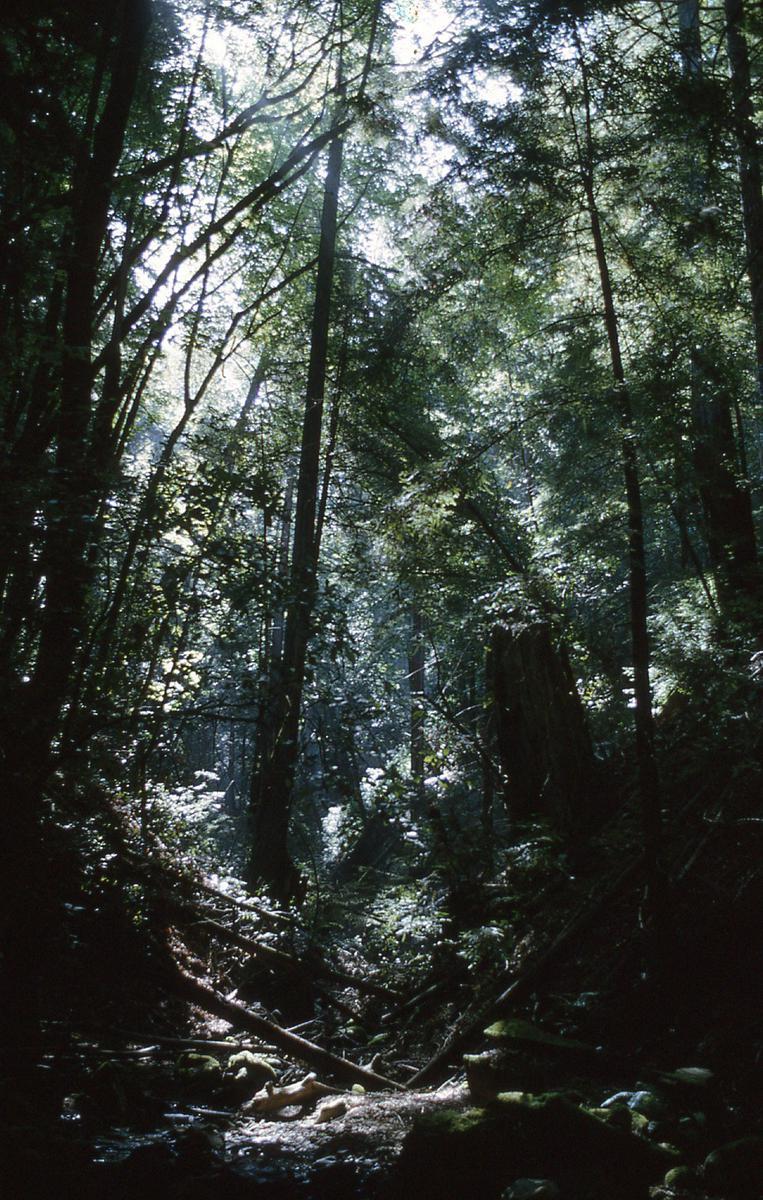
31,725
417,688
273,778
748,143
723,491
724,494
637,578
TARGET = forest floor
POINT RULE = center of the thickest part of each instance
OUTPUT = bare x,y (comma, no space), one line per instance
604,1080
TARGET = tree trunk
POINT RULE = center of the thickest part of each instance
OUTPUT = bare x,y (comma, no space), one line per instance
637,582
273,779
33,720
724,494
544,749
748,143
417,687
725,497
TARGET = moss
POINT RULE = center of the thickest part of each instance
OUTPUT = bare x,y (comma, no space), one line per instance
526,1032
251,1067
199,1070
453,1122
681,1179
479,1151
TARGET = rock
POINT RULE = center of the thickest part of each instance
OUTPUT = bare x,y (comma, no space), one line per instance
691,1129
524,1032
532,1189
330,1110
479,1151
681,1179
650,1105
107,1089
149,1170
200,1072
250,1069
620,1116
497,1071
736,1169
115,1092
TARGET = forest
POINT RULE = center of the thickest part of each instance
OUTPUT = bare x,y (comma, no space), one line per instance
381,600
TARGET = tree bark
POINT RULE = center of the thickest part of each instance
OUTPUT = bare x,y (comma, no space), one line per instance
724,494
649,788
544,748
33,720
417,688
748,143
277,753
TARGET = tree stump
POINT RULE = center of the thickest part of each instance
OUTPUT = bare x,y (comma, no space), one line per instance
543,743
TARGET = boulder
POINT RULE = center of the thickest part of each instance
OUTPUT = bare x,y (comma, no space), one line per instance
251,1071
523,1033
496,1071
648,1103
736,1169
681,1179
480,1151
201,1073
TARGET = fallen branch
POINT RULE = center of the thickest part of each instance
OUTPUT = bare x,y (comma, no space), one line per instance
267,914
211,1045
158,867
427,993
272,1099
534,972
205,997
313,966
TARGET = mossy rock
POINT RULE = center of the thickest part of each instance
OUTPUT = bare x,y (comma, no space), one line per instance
199,1072
681,1179
480,1151
651,1105
620,1117
250,1069
497,1071
693,1079
509,1032
736,1169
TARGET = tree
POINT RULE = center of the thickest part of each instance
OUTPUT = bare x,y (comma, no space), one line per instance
71,509
278,746
751,187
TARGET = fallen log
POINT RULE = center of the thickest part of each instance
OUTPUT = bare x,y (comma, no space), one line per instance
164,870
428,993
275,917
535,971
313,966
205,997
278,959
210,1045
272,1099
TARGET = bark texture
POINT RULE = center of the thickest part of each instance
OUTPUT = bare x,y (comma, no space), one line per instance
544,748
278,750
